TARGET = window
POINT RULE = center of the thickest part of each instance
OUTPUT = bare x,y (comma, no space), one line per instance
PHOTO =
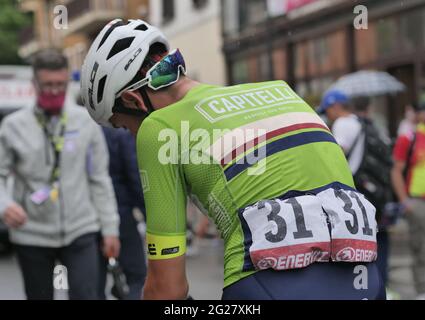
301,59
253,12
412,29
240,73
167,11
386,30
230,16
279,64
319,50
264,67
199,4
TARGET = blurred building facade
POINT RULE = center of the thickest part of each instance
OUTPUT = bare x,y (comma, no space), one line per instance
311,43
194,26
85,18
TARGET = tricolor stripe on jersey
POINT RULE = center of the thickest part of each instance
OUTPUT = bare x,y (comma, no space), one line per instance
276,146
235,150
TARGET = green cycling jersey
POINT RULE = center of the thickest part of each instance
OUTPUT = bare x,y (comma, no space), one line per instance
228,148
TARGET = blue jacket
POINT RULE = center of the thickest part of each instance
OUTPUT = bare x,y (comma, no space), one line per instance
123,169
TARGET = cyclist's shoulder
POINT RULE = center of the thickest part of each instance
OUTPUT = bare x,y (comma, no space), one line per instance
182,110
202,105
155,122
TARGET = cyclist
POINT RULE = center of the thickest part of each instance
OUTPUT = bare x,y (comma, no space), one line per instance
255,157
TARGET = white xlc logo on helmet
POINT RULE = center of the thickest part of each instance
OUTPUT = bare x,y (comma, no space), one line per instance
132,59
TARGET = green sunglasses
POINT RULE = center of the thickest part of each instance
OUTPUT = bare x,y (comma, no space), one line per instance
163,74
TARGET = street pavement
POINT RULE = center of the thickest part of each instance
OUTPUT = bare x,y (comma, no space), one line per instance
205,270
400,262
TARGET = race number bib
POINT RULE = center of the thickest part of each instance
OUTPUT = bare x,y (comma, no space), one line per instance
286,234
354,225
336,225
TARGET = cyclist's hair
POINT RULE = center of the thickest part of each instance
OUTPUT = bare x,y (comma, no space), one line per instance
156,52
361,103
50,59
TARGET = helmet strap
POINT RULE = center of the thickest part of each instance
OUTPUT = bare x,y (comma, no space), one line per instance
146,100
120,108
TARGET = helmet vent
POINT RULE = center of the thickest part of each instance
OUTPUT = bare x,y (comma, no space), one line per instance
100,89
141,27
108,33
119,46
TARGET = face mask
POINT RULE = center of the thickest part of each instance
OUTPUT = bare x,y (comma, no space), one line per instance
51,103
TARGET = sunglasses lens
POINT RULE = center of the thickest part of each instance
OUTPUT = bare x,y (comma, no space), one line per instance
167,71
158,80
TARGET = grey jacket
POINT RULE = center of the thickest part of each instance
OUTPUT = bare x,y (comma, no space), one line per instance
86,201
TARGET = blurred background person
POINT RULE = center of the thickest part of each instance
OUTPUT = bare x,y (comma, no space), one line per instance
408,178
345,126
408,124
127,185
63,194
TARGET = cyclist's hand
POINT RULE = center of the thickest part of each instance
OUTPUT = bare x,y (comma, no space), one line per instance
407,206
111,246
15,216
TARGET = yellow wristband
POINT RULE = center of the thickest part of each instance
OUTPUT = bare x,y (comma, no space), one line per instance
165,247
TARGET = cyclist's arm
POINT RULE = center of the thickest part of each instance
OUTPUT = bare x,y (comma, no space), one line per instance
165,200
400,157
398,180
166,280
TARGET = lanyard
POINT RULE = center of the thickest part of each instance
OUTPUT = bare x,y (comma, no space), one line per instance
57,142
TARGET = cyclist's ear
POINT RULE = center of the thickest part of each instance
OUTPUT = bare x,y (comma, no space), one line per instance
133,100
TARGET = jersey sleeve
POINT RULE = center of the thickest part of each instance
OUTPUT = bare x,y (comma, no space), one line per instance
163,188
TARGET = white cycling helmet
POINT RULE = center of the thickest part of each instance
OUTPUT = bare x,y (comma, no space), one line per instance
113,61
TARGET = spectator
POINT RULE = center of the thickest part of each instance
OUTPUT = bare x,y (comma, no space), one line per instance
62,194
408,177
126,180
346,127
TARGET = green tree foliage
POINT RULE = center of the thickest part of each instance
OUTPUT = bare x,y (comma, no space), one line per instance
12,20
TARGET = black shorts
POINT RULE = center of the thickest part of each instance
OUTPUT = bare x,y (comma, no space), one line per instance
319,281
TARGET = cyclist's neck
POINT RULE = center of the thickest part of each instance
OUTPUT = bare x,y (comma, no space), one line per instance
161,99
